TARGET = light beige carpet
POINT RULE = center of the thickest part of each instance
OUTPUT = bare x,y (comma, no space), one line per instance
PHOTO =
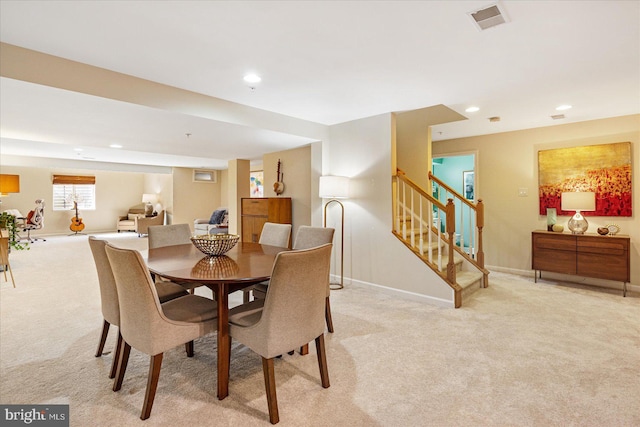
520,354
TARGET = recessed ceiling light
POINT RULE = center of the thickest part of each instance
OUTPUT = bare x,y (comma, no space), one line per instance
472,109
77,149
563,107
252,78
115,146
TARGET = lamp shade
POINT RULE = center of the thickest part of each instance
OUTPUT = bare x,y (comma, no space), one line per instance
578,201
149,198
334,187
9,183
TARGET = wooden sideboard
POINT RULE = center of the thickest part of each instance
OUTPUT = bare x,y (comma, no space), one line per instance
256,211
587,255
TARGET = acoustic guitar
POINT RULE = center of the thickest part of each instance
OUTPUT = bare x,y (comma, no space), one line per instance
76,222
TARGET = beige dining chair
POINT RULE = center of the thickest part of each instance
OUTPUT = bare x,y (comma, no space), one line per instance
4,258
109,297
292,314
275,234
148,326
306,237
169,235
272,234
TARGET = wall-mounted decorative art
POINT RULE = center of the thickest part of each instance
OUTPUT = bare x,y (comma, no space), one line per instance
256,186
468,184
604,169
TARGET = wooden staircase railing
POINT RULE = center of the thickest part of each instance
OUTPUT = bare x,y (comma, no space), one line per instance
471,218
427,226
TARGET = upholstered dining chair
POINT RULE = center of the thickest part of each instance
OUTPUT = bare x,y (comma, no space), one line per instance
148,326
272,234
275,234
168,235
306,237
4,258
109,298
291,316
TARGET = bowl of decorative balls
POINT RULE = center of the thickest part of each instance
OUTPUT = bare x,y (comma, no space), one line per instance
215,244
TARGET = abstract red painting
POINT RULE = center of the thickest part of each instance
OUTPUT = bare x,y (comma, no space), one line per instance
604,169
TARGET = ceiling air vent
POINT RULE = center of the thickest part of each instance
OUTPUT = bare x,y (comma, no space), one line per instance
558,117
488,17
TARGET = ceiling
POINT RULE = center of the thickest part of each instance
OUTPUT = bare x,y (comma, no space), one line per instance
325,62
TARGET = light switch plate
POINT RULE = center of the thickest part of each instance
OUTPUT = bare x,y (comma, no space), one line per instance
523,192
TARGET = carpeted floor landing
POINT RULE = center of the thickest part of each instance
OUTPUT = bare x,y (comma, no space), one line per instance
520,354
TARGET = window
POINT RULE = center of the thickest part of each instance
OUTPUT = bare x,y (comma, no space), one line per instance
68,189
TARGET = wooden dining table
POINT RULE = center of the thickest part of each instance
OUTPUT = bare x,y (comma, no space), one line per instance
244,265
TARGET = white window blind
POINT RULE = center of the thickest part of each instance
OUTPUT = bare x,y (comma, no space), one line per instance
65,194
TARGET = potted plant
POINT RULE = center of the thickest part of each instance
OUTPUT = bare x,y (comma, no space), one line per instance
8,222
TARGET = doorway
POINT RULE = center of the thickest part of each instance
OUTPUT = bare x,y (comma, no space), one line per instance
458,171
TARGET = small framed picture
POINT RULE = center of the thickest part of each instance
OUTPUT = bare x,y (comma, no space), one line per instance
468,185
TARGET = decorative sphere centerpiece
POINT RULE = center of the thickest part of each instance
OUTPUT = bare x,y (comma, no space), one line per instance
215,244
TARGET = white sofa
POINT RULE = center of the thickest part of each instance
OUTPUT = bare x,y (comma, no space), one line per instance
217,223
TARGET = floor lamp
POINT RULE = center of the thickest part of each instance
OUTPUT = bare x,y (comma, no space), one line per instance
335,187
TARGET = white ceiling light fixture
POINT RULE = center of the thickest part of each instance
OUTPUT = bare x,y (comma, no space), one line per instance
564,107
252,78
488,16
472,109
115,145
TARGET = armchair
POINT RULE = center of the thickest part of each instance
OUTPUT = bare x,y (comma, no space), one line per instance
136,221
218,223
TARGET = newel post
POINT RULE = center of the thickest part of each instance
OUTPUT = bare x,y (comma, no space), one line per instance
451,230
480,225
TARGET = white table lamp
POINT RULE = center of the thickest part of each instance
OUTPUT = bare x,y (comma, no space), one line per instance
150,200
578,201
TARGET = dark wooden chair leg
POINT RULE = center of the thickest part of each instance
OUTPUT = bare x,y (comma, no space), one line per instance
189,348
327,315
270,386
116,356
103,338
304,350
122,365
152,385
322,361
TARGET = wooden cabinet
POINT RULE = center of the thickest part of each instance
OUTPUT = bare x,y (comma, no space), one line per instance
587,255
256,211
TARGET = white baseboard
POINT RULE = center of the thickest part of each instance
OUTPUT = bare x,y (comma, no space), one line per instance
399,293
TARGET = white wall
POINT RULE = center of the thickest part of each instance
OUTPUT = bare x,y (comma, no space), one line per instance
361,150
296,170
191,200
